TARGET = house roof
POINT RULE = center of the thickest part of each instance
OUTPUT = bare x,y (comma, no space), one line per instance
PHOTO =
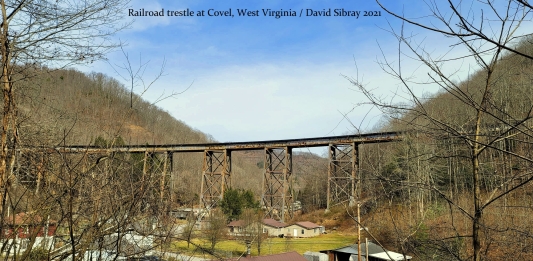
289,256
346,249
374,250
274,223
307,224
236,223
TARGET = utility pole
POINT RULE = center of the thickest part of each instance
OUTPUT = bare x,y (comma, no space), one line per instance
358,233
366,246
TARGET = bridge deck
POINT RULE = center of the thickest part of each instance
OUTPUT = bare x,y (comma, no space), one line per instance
250,145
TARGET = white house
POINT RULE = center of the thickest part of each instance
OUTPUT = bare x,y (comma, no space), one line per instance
268,226
304,229
274,228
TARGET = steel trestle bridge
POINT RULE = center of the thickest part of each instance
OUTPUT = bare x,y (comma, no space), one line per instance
276,196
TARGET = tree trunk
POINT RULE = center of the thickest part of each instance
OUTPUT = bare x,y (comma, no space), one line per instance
477,205
7,95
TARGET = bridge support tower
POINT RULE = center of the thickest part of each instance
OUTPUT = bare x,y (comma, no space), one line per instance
277,183
342,174
216,177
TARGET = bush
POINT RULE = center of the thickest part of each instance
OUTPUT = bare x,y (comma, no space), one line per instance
38,254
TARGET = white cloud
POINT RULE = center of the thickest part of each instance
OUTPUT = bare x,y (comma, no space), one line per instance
271,101
245,89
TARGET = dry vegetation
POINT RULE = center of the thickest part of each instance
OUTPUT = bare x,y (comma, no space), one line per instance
458,187
451,188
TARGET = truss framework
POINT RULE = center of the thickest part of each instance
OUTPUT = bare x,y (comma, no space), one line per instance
277,183
216,177
159,166
342,174
166,176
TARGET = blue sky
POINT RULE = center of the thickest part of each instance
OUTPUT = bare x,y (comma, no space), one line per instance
262,78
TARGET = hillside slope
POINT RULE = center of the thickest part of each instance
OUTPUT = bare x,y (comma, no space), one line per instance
73,108
465,162
82,107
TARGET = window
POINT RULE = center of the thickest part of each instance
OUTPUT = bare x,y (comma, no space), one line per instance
264,230
303,231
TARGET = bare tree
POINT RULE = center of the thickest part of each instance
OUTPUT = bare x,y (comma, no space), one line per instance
48,34
471,119
216,228
253,228
35,38
188,229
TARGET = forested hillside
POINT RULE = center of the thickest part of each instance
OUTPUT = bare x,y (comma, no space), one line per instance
69,107
459,185
417,195
80,107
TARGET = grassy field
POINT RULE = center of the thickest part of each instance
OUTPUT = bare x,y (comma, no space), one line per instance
271,245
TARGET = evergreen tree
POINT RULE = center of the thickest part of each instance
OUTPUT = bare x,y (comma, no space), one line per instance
231,204
235,201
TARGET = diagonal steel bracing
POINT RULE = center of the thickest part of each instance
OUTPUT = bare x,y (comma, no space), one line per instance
216,176
342,174
277,183
166,176
158,167
277,192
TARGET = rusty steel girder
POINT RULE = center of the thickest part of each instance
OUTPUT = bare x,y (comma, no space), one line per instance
277,183
342,174
248,145
216,177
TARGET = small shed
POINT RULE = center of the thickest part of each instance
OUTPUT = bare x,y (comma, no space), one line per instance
182,213
315,256
22,228
26,225
375,253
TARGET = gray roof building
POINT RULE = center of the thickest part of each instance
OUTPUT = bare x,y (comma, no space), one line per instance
375,253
